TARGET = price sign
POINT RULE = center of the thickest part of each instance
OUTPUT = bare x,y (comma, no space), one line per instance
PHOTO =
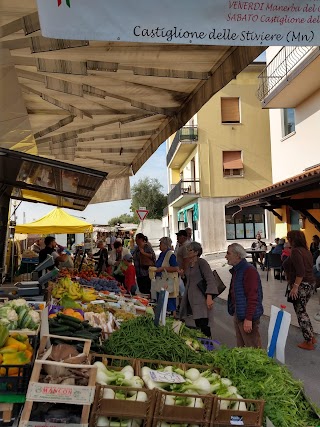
236,420
166,377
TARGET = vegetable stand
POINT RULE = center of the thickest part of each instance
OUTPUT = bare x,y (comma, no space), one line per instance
133,360
53,392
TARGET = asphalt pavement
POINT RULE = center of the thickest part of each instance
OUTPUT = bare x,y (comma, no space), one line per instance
304,365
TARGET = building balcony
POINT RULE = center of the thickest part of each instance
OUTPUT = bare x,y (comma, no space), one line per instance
290,78
182,146
183,192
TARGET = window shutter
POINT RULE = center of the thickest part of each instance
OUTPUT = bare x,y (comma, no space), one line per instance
232,160
230,111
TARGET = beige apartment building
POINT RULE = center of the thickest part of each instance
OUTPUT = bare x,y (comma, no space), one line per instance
220,154
290,89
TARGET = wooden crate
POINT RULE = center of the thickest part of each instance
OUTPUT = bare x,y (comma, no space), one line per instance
252,417
123,409
59,393
156,364
115,363
45,341
6,409
175,414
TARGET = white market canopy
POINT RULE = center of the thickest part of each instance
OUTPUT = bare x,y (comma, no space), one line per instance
104,105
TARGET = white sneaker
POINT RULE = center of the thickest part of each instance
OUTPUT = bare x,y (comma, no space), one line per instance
317,316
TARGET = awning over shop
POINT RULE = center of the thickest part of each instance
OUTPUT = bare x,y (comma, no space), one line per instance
35,179
55,222
300,192
185,209
104,105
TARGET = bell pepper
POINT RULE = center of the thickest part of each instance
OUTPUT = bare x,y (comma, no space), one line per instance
4,333
18,358
20,337
11,372
8,350
12,342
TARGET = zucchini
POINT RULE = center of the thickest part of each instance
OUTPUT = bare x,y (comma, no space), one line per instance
94,330
67,333
72,325
60,328
70,318
84,335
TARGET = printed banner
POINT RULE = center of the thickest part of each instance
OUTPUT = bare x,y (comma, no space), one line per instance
216,22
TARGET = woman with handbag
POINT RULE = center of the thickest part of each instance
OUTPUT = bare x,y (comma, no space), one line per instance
167,270
143,257
200,289
298,267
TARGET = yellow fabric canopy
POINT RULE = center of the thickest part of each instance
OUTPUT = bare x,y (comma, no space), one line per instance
55,222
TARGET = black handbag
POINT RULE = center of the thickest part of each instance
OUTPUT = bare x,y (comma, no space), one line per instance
203,284
287,294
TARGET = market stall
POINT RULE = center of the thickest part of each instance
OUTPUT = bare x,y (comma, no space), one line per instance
104,362
55,222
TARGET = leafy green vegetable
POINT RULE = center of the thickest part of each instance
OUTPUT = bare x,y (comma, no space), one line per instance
255,375
259,377
144,340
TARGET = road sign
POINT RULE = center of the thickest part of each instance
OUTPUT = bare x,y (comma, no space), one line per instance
142,213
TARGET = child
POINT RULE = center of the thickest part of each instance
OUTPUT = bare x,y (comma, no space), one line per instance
129,274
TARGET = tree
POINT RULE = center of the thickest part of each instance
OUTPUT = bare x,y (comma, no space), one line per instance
148,192
124,218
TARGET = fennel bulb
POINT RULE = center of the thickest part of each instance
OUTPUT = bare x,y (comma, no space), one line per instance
192,374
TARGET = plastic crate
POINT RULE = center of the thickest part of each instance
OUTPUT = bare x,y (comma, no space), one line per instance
209,344
18,384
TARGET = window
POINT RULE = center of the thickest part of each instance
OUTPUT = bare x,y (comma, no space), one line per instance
244,226
230,110
232,163
289,123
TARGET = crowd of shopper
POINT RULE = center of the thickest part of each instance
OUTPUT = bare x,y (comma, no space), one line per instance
191,284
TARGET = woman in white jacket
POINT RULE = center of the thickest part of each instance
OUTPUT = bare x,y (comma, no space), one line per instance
115,258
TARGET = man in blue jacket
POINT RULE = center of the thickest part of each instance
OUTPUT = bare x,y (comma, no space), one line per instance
245,297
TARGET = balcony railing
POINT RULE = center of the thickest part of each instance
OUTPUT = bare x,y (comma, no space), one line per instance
280,67
184,188
186,134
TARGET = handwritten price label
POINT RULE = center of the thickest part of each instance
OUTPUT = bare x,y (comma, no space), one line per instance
166,377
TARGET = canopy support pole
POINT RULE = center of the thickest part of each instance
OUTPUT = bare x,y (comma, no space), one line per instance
4,217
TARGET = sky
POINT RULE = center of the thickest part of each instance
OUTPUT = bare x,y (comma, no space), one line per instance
100,213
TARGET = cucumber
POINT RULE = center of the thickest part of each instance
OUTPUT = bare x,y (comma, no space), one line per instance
70,318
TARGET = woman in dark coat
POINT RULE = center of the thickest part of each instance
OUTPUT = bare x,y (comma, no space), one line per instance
143,257
298,268
200,304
